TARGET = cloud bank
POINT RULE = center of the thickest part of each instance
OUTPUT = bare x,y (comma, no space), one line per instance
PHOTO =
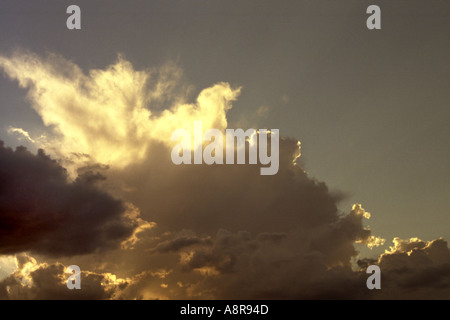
219,231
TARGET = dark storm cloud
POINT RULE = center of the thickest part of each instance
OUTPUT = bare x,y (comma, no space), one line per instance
40,211
305,258
251,236
205,198
240,266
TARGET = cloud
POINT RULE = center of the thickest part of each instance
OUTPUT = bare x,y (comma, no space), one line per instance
40,211
7,266
45,281
266,266
107,113
180,242
219,231
415,269
34,280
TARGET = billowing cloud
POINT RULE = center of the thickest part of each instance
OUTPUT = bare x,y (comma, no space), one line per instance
415,269
40,211
33,280
221,231
107,113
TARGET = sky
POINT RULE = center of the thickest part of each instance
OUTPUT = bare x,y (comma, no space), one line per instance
366,109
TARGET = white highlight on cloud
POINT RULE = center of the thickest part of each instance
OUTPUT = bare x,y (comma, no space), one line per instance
371,241
21,133
108,113
7,266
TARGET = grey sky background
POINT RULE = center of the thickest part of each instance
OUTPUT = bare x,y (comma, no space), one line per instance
371,108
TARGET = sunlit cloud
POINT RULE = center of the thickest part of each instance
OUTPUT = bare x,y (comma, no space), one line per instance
107,114
153,231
